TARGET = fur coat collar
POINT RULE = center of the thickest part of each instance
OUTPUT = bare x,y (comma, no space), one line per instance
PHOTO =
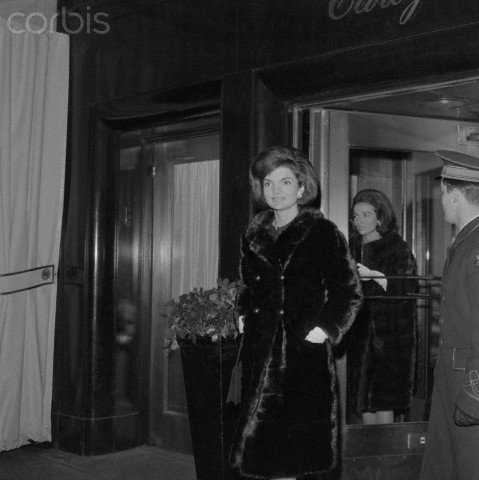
262,243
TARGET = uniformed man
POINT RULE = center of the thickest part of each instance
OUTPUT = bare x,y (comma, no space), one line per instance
452,444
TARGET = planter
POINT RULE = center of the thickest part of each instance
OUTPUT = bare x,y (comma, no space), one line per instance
207,370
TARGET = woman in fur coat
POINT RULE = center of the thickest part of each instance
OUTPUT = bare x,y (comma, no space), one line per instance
382,343
300,294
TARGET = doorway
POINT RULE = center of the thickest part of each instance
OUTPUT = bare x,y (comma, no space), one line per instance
387,142
167,245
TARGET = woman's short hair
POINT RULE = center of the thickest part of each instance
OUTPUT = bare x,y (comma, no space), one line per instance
278,156
382,206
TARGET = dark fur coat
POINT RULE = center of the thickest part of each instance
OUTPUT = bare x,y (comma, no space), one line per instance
288,421
382,342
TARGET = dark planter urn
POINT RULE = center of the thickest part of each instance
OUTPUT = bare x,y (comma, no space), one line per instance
207,370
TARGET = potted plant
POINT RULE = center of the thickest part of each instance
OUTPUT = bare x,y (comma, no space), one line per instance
204,315
202,323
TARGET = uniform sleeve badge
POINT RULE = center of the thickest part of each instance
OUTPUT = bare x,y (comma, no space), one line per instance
471,384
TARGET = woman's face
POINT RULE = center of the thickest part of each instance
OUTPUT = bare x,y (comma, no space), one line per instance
281,189
366,221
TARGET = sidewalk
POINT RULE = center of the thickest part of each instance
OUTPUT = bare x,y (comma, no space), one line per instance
141,463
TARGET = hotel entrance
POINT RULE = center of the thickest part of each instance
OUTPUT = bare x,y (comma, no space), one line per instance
387,142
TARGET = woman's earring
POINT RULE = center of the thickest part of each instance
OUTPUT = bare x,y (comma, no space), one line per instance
300,194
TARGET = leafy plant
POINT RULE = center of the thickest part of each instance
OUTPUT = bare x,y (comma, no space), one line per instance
203,313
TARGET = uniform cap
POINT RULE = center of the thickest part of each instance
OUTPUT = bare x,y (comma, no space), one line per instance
459,166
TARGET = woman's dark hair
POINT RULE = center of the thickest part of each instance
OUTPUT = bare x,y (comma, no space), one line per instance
278,156
382,206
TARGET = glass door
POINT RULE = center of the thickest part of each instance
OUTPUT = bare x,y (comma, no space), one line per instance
167,244
185,248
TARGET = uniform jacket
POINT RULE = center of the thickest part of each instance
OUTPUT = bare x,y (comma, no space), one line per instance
288,420
460,313
451,451
382,342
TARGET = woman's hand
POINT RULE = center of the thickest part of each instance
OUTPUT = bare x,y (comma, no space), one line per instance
365,271
316,335
240,323
378,276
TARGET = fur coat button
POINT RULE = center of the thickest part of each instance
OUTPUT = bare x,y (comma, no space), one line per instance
281,277
257,278
256,310
281,312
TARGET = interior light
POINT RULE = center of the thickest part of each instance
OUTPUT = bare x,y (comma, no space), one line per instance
445,103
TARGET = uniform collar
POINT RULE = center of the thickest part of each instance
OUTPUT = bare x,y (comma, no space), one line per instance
466,230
